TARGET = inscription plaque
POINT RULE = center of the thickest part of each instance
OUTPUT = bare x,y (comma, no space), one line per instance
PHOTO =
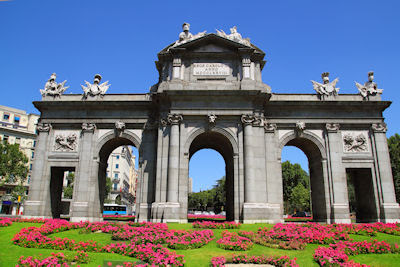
211,69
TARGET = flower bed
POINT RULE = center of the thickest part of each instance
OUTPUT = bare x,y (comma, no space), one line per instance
337,254
277,261
204,217
35,237
119,217
267,241
216,225
180,239
56,259
233,241
5,222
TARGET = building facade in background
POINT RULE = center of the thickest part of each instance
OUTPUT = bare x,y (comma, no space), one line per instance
121,170
17,127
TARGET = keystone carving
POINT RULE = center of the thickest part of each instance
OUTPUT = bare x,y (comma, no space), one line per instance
379,127
355,143
212,119
119,126
174,118
66,143
88,127
332,127
43,127
52,88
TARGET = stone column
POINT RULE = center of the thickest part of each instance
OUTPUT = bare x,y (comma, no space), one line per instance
172,206
86,204
37,204
340,212
254,209
249,178
390,211
273,174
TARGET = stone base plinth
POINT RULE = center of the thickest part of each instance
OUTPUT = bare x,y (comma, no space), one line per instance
83,219
390,213
261,213
167,212
340,214
37,209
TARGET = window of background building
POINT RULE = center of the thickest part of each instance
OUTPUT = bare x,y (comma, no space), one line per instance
5,139
6,117
34,143
17,140
33,154
116,166
115,186
115,175
29,179
16,119
30,166
118,157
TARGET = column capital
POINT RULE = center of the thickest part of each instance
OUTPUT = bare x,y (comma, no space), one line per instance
332,127
270,127
88,127
248,119
379,127
43,127
174,118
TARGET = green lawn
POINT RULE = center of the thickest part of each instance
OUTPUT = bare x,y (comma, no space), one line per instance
10,253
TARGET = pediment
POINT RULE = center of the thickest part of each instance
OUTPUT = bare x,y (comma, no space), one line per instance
210,43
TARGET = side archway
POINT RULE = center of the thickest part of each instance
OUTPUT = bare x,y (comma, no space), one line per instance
313,148
106,145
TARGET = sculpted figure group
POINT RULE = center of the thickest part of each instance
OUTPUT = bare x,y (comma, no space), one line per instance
326,88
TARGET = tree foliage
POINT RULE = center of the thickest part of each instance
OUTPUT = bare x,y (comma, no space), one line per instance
394,151
214,198
13,164
107,190
69,189
293,176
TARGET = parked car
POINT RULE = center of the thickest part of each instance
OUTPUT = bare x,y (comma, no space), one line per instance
301,214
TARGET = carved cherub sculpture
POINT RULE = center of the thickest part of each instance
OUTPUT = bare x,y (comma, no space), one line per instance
96,88
52,88
327,88
370,87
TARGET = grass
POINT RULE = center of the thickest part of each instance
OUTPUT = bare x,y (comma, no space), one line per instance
10,253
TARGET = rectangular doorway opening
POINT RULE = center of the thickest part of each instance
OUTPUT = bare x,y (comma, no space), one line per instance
60,205
361,194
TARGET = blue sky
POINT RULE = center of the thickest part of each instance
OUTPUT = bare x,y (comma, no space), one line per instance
120,40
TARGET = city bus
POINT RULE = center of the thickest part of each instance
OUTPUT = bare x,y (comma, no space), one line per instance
114,209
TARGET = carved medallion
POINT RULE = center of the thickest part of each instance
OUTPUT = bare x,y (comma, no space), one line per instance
332,127
66,143
355,142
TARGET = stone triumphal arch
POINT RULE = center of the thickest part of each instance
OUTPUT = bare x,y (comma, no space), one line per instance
210,95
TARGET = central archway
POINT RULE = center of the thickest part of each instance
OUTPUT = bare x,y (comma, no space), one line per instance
220,143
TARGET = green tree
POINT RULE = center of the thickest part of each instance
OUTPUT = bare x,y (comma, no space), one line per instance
214,198
69,189
394,151
107,190
292,175
13,164
220,195
300,198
